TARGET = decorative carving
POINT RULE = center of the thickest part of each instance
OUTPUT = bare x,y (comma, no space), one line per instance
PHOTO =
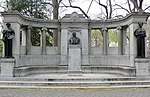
119,28
104,29
8,36
74,29
74,16
140,34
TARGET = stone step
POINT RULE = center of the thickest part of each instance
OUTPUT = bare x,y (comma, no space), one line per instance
75,83
112,69
75,78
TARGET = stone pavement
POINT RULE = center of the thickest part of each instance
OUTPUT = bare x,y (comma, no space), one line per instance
126,92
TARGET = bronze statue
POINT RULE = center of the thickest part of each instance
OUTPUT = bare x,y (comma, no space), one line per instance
74,40
140,34
8,36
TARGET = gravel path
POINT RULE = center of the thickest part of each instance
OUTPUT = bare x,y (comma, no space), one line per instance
130,92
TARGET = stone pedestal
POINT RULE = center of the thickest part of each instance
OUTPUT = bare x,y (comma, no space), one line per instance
7,67
142,67
74,62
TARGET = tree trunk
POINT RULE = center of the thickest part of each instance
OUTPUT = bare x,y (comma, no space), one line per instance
55,16
110,12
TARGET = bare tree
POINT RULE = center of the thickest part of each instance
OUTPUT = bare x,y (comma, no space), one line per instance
56,5
107,7
73,6
138,5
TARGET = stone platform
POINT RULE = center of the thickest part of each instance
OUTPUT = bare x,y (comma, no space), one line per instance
74,81
74,75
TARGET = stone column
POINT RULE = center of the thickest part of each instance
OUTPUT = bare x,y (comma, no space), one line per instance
89,33
16,39
120,40
133,43
85,45
59,40
23,37
28,41
64,41
55,37
124,40
43,41
105,41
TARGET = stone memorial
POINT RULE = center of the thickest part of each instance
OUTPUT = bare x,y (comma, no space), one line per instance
74,64
74,51
8,62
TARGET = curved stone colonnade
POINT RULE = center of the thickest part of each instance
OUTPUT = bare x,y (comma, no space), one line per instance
44,59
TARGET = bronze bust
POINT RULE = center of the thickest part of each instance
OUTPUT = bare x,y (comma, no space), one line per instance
74,40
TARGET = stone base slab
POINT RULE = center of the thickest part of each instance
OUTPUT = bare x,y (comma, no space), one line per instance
142,67
74,71
7,67
74,62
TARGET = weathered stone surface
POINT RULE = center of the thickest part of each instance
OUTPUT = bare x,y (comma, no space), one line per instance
142,67
7,67
74,61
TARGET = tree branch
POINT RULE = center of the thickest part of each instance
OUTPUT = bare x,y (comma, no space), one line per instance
140,4
129,6
147,8
59,1
135,3
110,12
122,8
77,8
89,6
105,7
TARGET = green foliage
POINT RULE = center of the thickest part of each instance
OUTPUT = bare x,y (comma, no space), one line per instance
19,5
112,37
36,34
32,8
49,38
35,37
96,38
36,9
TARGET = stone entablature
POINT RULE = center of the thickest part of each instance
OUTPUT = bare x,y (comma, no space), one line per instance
16,17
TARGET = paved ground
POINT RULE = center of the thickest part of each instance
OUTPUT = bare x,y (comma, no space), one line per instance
130,92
